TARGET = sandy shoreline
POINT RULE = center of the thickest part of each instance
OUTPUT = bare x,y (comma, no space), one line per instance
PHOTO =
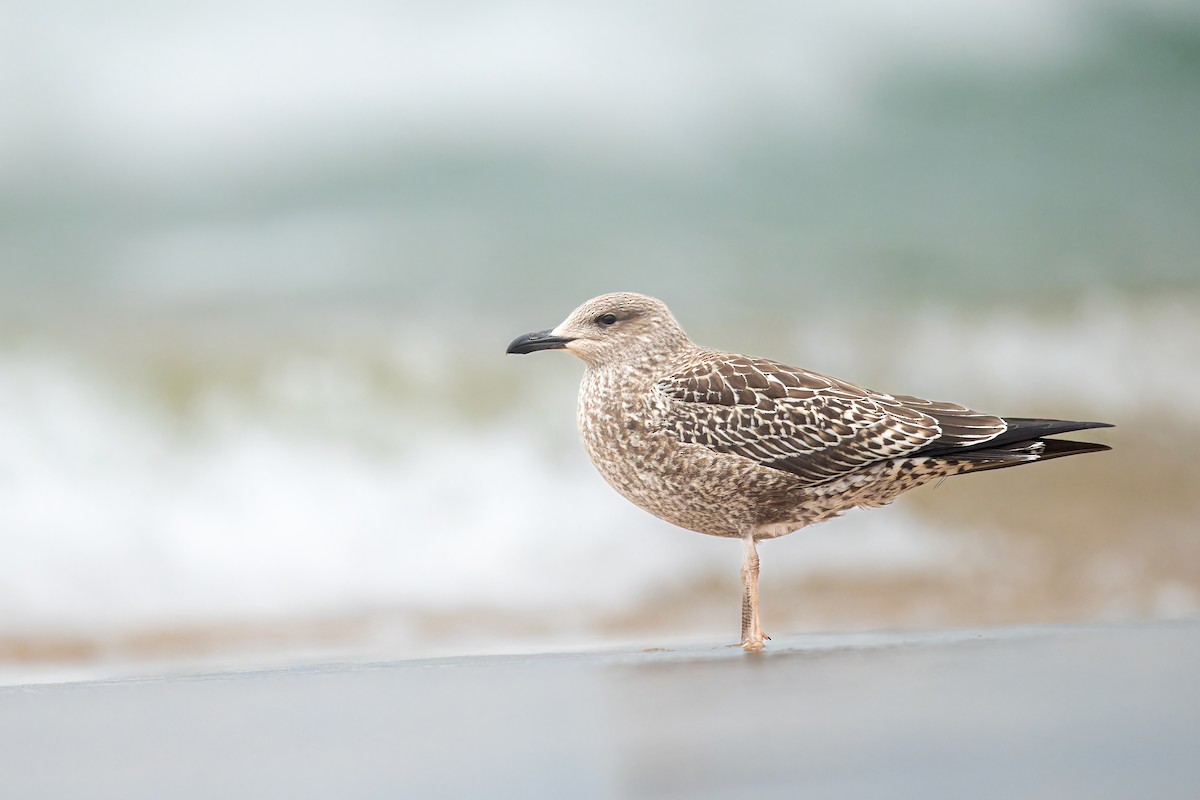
1056,711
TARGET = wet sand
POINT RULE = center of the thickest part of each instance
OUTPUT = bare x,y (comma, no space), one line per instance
1039,712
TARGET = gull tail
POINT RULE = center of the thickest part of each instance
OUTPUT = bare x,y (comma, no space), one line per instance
1023,442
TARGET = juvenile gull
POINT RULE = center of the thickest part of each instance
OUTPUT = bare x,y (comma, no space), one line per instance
730,445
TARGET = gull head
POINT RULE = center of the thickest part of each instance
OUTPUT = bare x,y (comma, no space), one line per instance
617,328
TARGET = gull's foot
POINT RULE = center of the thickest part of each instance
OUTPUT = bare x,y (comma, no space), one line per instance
754,642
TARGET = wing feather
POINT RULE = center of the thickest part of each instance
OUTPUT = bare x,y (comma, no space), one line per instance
811,425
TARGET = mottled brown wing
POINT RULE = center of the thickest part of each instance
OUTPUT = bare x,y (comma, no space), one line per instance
960,426
813,426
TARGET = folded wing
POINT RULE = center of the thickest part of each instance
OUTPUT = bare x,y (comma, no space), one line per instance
810,425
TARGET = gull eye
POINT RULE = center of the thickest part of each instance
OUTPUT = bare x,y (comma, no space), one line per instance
607,319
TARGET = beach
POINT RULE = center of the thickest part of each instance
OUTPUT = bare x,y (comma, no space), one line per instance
1033,712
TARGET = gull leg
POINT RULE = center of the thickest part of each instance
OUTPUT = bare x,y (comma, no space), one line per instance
752,633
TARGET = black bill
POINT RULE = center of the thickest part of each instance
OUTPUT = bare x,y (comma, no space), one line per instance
538,340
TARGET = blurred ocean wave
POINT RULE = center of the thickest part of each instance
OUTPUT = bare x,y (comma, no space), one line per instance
162,477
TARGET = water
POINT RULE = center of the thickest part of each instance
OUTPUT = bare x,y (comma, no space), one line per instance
412,156
257,268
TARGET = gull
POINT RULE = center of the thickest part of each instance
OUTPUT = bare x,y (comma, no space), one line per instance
747,448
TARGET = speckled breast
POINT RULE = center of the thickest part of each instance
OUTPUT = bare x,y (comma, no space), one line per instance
684,484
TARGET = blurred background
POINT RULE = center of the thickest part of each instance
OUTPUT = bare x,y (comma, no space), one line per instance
259,262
